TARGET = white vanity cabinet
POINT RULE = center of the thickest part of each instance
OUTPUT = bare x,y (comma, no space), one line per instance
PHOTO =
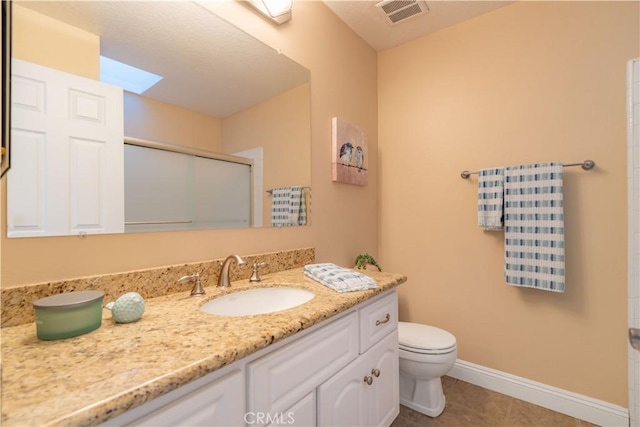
365,393
342,372
301,414
217,399
278,380
352,364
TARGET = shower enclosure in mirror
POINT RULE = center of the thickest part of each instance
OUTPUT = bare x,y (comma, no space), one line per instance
173,188
220,92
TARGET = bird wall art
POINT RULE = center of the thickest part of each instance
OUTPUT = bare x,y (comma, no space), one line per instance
350,161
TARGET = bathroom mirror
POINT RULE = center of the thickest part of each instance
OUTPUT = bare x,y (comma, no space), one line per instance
5,145
222,90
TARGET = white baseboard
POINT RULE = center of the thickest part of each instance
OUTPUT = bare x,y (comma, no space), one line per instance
575,405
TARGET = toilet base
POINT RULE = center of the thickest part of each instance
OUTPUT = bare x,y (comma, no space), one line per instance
424,396
424,410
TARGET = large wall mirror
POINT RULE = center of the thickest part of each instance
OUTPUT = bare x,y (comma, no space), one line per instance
224,98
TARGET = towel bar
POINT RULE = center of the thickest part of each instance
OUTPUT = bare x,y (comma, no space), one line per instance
271,191
156,222
586,165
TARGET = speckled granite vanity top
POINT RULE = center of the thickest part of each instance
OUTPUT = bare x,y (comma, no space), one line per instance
88,379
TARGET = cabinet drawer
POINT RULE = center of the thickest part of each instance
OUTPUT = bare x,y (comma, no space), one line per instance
277,380
219,403
377,319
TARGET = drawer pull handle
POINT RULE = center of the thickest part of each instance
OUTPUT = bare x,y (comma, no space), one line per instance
386,319
368,379
375,372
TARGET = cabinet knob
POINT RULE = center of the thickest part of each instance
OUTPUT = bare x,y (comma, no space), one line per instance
386,319
375,372
368,379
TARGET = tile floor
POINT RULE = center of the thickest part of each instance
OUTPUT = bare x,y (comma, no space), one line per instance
471,406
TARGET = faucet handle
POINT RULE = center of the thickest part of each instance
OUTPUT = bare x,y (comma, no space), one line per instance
188,278
197,290
255,276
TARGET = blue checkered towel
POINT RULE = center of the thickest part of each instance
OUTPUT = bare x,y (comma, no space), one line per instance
288,207
534,227
490,198
338,278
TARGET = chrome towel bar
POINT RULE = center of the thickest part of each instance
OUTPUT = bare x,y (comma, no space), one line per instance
156,222
271,190
586,165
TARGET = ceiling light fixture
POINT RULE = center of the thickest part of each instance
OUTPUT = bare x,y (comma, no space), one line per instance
279,11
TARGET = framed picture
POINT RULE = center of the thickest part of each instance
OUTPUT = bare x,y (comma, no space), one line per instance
5,162
350,160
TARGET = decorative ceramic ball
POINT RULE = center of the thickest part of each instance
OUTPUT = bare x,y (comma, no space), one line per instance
127,308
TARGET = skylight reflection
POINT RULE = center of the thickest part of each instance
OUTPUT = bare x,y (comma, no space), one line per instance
126,76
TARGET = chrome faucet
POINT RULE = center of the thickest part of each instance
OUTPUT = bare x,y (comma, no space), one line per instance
197,290
223,279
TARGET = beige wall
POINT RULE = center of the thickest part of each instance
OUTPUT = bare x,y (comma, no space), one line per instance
37,38
281,127
343,83
147,118
529,82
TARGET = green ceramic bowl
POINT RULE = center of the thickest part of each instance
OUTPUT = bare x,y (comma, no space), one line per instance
68,315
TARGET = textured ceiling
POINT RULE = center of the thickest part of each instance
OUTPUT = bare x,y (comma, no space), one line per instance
203,58
367,21
208,65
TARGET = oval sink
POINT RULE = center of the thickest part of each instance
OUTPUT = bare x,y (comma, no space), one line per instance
257,301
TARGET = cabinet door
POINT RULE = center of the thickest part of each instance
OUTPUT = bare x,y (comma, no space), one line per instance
279,379
302,414
384,396
342,400
348,400
219,403
66,172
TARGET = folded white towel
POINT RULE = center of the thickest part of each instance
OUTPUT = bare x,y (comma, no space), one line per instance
338,278
490,198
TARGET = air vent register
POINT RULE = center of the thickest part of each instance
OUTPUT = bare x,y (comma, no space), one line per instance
396,11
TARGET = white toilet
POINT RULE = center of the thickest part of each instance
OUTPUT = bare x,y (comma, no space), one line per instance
426,354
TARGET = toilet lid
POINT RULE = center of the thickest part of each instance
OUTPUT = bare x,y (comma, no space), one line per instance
419,338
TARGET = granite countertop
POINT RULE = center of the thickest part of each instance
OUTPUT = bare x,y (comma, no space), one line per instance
88,379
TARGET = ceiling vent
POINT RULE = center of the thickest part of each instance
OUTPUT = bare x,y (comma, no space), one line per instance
396,11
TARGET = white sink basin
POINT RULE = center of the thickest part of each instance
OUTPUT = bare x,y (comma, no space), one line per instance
257,301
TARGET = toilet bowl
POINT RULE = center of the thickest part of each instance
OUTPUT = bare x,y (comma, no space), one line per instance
426,354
